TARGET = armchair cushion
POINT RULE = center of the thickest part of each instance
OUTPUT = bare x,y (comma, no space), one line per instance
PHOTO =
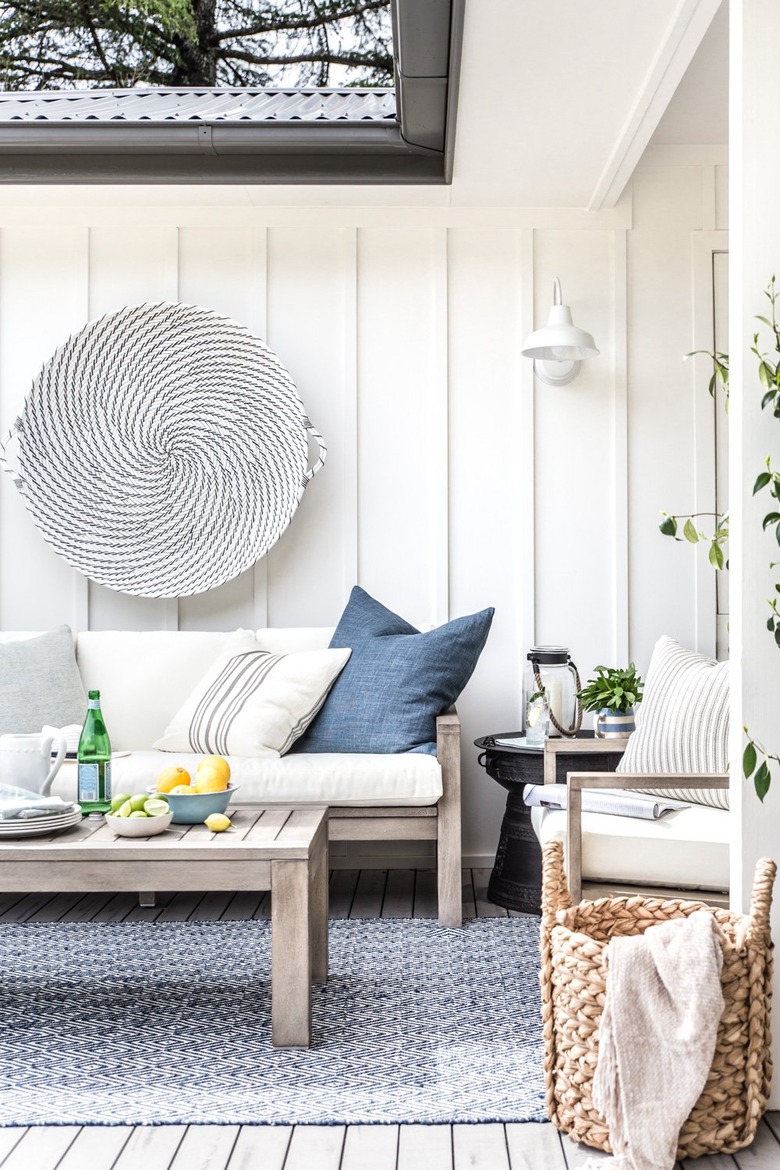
682,724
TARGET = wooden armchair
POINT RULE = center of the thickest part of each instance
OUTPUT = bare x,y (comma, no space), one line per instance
576,781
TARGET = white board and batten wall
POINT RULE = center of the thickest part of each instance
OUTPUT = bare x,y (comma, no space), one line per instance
452,483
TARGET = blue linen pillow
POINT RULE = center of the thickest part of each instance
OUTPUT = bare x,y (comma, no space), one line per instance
396,681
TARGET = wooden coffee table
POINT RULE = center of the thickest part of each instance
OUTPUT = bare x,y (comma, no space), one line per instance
284,850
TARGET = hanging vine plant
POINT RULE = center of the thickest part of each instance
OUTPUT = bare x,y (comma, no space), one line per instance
757,760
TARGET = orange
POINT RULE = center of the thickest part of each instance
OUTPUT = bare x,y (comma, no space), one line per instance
210,780
218,762
170,777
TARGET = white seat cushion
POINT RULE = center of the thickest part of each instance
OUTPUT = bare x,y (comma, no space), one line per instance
688,849
348,780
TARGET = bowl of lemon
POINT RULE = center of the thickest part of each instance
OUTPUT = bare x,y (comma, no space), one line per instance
195,798
139,816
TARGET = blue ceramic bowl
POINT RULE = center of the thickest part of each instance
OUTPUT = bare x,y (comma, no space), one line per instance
193,808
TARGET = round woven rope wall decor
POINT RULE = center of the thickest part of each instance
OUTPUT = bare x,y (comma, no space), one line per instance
162,450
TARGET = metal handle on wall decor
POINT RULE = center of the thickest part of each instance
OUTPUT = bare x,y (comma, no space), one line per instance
4,459
322,447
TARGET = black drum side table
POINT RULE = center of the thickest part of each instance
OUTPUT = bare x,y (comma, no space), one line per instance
516,880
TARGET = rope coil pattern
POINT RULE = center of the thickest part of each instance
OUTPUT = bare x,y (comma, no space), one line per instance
162,450
573,981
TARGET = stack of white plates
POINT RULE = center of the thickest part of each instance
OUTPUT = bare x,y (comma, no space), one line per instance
41,826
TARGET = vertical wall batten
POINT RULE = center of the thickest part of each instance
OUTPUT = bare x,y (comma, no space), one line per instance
620,450
524,427
349,411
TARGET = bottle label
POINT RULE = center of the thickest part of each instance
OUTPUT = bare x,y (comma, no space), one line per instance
88,783
93,704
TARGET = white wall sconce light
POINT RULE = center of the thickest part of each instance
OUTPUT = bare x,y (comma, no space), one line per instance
559,349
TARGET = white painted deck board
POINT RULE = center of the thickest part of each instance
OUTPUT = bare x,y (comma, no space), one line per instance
97,1147
151,1147
370,1147
260,1147
425,1147
480,1147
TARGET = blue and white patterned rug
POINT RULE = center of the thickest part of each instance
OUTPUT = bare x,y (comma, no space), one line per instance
156,1023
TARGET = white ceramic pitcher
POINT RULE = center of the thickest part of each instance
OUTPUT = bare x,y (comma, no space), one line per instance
25,761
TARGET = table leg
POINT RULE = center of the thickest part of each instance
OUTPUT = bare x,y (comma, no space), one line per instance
318,906
291,954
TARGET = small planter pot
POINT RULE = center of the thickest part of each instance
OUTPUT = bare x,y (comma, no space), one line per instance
613,724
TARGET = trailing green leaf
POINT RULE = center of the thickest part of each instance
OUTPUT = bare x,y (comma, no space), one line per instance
762,780
749,759
716,556
690,533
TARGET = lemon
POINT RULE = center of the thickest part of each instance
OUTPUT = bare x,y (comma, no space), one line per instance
155,807
138,812
172,777
218,762
218,822
210,779
182,790
125,809
138,801
119,800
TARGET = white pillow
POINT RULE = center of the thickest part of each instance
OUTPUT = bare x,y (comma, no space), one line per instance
252,703
682,723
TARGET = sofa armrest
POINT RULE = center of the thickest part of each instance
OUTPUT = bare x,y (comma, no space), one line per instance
576,781
449,820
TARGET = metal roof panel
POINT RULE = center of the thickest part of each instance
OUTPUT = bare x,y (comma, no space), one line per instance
200,105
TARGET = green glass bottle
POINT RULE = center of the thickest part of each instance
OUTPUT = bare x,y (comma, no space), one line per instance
94,759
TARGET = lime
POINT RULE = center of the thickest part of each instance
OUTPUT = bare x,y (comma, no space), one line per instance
119,800
139,812
138,801
217,822
125,809
155,807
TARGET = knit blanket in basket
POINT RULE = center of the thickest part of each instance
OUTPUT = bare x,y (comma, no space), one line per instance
657,1037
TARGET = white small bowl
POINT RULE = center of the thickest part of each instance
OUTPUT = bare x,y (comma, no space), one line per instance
139,826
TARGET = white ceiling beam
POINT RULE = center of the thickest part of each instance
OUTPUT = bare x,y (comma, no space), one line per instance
685,32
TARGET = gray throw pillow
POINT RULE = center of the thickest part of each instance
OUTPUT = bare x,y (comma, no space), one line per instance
40,683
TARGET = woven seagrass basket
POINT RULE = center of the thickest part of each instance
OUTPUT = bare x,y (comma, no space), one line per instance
573,979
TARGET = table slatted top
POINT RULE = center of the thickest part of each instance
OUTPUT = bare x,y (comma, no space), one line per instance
258,834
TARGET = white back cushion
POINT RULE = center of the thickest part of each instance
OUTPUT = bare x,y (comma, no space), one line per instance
144,677
294,638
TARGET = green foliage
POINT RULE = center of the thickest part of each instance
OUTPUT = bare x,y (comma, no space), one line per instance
59,44
756,760
617,690
716,538
756,763
720,371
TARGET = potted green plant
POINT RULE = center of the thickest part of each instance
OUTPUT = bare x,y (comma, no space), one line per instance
613,695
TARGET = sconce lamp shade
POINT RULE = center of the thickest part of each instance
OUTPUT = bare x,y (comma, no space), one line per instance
560,345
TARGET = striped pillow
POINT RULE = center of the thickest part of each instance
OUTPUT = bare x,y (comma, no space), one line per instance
682,723
252,703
